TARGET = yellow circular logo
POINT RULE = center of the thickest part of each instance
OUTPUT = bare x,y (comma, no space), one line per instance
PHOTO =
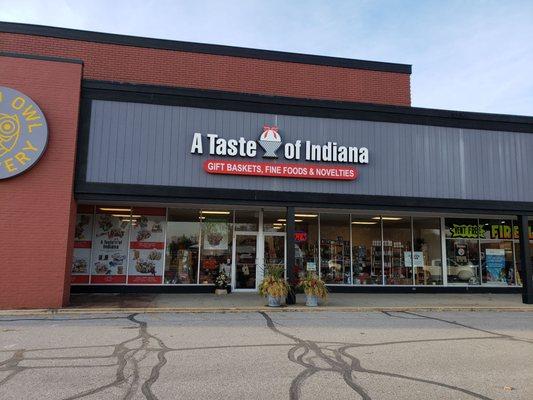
23,132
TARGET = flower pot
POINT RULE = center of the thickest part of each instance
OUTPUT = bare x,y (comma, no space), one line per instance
274,301
311,300
221,292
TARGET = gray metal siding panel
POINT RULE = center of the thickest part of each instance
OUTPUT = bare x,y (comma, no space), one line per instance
136,143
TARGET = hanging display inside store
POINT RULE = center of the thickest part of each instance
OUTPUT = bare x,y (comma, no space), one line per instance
216,235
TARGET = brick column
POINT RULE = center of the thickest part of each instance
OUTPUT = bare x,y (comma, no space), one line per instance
37,208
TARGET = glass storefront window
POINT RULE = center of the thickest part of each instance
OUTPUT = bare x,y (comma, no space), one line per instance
518,276
182,249
397,249
216,244
427,251
109,257
497,259
366,250
335,248
462,250
306,243
275,221
81,254
147,246
247,220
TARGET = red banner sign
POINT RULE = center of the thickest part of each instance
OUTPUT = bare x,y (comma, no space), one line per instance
147,245
150,280
301,171
82,244
108,279
78,279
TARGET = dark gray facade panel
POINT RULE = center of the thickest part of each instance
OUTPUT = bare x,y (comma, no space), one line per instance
133,143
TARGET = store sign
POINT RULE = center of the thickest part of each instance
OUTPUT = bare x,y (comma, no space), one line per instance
483,231
505,232
271,143
467,231
23,133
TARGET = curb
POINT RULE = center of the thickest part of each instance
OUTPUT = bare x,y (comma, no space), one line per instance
302,309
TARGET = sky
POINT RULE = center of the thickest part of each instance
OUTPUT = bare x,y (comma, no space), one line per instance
469,55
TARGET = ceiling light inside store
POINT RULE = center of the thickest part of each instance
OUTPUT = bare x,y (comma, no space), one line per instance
284,220
116,209
126,216
129,220
216,212
388,218
306,215
364,223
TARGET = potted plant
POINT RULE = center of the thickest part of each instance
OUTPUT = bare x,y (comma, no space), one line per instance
274,286
314,288
221,283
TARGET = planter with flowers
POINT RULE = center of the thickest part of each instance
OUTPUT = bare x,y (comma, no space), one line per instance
314,288
222,282
274,286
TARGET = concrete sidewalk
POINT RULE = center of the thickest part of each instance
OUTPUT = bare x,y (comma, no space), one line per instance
236,302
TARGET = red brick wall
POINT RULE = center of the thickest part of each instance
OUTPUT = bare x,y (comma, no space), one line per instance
182,69
37,207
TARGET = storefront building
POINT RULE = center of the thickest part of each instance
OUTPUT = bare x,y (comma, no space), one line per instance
134,164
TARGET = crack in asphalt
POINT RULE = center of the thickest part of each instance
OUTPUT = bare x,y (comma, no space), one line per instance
314,356
500,335
348,370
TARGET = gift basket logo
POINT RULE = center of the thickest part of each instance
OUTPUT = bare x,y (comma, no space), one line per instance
270,141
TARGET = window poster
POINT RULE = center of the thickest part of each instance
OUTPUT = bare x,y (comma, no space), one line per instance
147,246
215,235
495,260
414,259
81,255
110,245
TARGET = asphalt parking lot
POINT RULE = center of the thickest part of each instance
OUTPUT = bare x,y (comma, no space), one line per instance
258,355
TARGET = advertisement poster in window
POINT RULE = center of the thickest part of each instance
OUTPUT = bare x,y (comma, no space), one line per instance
495,260
110,245
147,246
416,261
81,255
215,235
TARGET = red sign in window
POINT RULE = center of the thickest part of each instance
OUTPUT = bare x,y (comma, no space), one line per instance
300,236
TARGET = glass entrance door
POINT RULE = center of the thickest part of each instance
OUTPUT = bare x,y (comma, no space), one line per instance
245,259
274,247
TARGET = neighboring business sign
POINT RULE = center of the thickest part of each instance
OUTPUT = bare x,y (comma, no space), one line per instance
467,231
270,140
23,133
487,231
